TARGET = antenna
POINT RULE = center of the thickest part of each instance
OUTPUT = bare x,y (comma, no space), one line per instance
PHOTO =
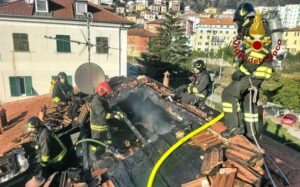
89,19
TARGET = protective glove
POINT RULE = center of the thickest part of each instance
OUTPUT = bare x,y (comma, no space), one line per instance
192,79
118,115
237,75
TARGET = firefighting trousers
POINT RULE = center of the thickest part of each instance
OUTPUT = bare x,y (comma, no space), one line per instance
101,133
236,104
189,98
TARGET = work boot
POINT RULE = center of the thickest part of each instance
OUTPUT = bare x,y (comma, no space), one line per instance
231,132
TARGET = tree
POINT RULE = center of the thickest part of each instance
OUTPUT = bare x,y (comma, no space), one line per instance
170,44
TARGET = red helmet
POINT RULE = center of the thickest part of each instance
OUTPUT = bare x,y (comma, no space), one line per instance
103,88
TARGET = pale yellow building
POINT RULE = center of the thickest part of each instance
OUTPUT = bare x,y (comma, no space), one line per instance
213,34
132,18
292,40
140,7
28,60
211,10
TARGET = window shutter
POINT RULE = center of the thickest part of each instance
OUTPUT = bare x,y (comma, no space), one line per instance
28,85
67,44
59,44
69,78
102,45
14,86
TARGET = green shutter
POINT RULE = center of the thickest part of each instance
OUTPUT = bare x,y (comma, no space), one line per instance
14,86
63,44
67,44
69,78
28,85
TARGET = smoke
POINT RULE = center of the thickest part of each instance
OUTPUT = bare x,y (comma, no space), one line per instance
142,108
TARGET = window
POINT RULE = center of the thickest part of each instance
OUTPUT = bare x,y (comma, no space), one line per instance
69,78
63,44
20,86
102,45
295,42
41,5
206,43
207,37
20,42
226,32
221,32
200,37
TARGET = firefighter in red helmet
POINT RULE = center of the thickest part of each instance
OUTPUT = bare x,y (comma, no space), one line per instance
100,113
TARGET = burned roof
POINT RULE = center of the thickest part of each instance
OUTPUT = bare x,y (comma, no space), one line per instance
207,158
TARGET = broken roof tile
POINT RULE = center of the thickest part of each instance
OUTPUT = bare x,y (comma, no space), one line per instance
244,173
219,127
205,140
225,177
212,160
201,182
18,112
244,142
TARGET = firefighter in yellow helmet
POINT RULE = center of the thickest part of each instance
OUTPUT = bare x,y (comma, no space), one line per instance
255,66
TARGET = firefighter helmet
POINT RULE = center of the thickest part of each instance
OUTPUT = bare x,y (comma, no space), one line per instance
62,75
242,12
199,64
34,122
103,88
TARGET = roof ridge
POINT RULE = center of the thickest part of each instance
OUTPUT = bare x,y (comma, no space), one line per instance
103,9
9,3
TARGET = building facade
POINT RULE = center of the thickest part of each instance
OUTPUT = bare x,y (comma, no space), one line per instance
29,60
292,40
138,42
212,34
289,14
153,26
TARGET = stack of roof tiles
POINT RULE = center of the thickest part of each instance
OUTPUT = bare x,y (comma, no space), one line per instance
227,162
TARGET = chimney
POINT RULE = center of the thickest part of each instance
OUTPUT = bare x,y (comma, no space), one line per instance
166,80
42,112
3,119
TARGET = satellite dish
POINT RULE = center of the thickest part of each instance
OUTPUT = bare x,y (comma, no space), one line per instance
87,76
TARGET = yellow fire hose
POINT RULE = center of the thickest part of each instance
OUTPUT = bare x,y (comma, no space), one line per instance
176,145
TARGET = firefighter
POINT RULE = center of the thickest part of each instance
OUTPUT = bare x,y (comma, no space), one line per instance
195,92
51,151
100,113
255,66
62,90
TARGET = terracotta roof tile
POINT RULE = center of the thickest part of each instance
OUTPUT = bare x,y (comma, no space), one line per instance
61,9
212,21
17,8
140,32
18,113
293,29
157,21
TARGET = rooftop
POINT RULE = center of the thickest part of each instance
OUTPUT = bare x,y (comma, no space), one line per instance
157,21
215,21
140,32
60,9
18,113
292,29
